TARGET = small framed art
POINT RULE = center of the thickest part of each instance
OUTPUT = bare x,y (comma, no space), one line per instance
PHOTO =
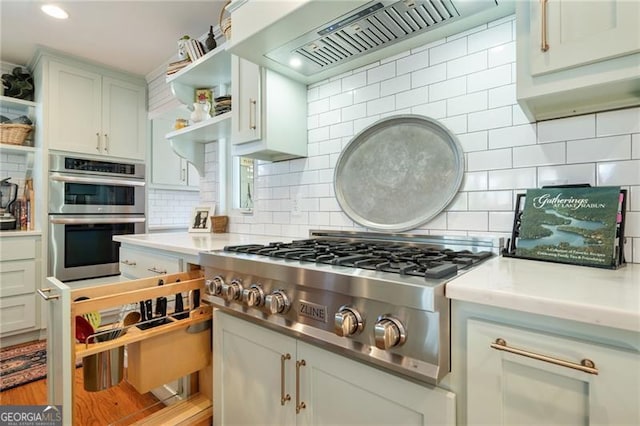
200,220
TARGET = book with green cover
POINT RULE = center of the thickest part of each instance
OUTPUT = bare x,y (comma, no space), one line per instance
570,225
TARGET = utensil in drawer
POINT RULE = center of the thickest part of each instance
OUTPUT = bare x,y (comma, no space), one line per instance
84,329
179,308
143,312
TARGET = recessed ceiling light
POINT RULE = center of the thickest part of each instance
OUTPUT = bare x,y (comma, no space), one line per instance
54,11
295,62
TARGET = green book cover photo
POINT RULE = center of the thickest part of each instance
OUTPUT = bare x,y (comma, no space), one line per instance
570,225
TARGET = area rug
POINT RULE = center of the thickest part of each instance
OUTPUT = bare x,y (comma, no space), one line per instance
22,364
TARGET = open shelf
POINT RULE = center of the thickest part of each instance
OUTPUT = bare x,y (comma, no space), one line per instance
205,131
210,70
16,103
16,149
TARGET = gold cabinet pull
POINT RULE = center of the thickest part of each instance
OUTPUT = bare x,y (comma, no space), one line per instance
98,141
157,271
252,117
283,398
106,143
586,365
300,405
45,296
544,46
128,262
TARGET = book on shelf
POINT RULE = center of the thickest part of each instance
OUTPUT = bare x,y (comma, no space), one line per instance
575,225
177,65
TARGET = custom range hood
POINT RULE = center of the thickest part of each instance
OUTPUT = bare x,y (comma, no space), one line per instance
311,40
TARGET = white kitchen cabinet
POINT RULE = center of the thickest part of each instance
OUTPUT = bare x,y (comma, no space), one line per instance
274,373
137,263
94,113
20,275
577,57
269,114
510,388
168,170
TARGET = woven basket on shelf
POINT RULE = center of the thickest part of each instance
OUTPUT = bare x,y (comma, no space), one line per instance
219,224
14,134
225,24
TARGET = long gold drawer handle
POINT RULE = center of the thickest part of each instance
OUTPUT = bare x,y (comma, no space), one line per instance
283,398
544,46
129,262
157,271
586,365
252,118
300,405
45,296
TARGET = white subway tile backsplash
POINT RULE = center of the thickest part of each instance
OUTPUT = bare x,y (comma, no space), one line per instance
354,81
474,96
501,221
467,64
411,98
618,122
341,130
513,178
489,160
539,155
383,72
378,106
490,119
395,85
413,62
601,149
447,89
340,101
618,173
493,77
632,226
568,174
430,75
328,118
366,93
501,55
467,103
512,136
564,129
468,221
436,109
491,200
491,37
502,96
473,141
354,112
447,51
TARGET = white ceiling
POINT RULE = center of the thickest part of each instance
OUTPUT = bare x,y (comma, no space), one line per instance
135,36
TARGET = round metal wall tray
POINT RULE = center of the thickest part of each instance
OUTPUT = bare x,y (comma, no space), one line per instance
399,173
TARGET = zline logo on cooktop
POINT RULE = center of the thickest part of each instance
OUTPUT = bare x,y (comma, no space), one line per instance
312,310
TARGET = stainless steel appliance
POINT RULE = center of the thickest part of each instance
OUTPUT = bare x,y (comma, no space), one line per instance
378,298
90,201
8,195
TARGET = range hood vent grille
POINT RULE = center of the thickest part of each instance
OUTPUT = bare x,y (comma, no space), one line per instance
369,28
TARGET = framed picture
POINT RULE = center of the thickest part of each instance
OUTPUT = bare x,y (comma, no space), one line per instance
200,219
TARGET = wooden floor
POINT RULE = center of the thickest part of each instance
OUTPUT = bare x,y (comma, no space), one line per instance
111,406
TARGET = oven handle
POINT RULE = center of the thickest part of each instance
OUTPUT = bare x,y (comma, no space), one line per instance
97,180
92,220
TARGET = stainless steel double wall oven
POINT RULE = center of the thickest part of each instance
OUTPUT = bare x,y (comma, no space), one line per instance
90,201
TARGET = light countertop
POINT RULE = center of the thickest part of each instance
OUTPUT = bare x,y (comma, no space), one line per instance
592,295
193,243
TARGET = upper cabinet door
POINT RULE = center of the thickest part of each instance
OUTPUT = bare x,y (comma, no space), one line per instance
579,33
247,103
74,109
123,119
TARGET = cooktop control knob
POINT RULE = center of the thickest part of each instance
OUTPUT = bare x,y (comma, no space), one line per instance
232,291
214,285
277,302
253,296
348,321
389,332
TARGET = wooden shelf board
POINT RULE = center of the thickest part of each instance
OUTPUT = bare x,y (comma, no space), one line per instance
190,411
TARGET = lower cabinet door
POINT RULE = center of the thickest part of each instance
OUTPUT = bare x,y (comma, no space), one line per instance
530,378
17,313
338,391
252,366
